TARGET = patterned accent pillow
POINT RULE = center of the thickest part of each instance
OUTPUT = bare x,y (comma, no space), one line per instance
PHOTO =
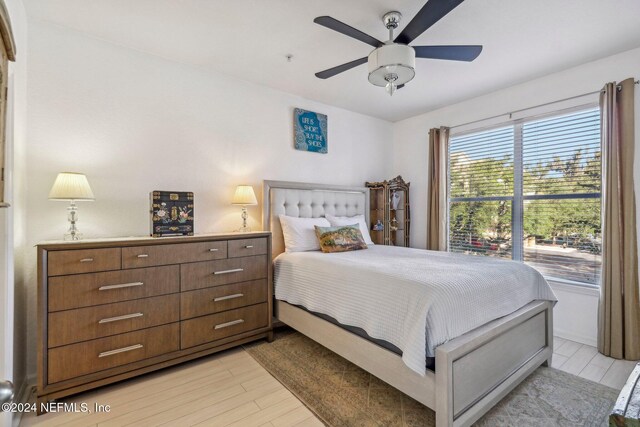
340,239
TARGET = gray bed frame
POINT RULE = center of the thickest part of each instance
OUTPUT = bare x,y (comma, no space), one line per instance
472,372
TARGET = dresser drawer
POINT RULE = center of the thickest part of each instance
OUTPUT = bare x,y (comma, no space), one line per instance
83,324
93,356
247,247
147,256
83,290
222,298
205,329
214,273
83,261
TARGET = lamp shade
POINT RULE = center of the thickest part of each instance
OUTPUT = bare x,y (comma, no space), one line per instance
393,63
71,186
244,196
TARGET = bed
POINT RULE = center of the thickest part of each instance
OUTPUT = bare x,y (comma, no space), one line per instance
472,370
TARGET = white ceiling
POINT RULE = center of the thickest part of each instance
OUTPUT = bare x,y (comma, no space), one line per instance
523,39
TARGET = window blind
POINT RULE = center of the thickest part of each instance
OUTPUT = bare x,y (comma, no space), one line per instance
481,172
530,191
561,193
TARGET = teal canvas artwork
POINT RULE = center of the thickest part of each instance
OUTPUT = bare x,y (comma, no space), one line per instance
310,131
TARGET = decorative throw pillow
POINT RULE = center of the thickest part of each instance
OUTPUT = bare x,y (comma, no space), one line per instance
340,239
299,234
348,220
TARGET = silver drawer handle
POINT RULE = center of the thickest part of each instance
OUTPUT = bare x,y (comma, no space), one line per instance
122,285
233,270
248,247
213,250
228,297
125,317
120,350
143,256
226,325
86,260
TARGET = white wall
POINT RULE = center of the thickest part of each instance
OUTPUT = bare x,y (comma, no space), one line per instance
136,123
575,316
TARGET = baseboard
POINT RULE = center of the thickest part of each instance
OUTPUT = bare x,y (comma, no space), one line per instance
576,289
22,396
582,339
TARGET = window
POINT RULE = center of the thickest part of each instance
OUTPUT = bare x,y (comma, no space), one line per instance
530,191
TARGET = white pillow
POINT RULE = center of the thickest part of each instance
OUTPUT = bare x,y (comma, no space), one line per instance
300,233
337,221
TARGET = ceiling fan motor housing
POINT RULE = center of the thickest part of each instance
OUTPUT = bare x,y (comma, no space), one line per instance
392,63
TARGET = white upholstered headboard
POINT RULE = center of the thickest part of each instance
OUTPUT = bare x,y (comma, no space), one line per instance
306,200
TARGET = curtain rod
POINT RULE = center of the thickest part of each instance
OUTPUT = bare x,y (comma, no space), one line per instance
511,113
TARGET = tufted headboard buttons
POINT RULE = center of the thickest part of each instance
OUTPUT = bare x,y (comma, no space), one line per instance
305,200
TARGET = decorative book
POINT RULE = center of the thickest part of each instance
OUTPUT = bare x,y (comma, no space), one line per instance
171,213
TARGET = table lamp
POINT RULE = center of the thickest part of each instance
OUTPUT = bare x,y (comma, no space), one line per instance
244,196
72,187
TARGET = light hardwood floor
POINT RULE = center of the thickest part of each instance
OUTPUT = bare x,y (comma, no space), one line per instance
585,361
232,389
227,389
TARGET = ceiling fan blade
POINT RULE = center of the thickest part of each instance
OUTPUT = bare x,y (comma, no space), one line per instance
341,27
400,86
431,12
340,68
452,53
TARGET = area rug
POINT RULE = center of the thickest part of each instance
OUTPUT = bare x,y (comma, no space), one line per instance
341,394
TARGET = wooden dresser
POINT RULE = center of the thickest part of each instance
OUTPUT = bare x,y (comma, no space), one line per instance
116,308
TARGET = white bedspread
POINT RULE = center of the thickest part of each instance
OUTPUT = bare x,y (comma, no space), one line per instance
412,298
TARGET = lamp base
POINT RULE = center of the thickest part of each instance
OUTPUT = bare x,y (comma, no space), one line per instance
244,228
69,236
72,233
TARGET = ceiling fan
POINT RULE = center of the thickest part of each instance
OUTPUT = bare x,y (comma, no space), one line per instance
392,63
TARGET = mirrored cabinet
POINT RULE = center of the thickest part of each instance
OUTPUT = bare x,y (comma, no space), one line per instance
389,217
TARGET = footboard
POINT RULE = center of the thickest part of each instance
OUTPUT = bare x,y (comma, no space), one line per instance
476,370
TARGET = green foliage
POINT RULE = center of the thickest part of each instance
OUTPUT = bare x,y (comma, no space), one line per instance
580,218
472,223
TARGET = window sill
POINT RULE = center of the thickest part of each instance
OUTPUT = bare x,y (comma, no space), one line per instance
574,287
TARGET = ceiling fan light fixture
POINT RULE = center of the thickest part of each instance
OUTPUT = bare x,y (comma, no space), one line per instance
391,77
392,60
391,88
391,83
392,64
